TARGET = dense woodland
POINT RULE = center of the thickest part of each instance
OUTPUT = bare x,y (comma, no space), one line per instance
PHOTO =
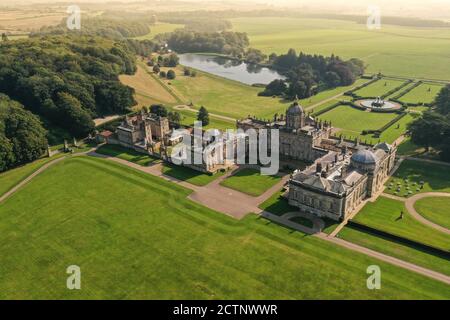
308,74
67,80
433,128
22,136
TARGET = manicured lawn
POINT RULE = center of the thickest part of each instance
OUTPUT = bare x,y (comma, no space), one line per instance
395,50
136,236
188,119
424,93
379,88
277,205
436,177
408,148
384,214
189,175
396,250
250,181
397,129
353,121
435,209
12,177
158,28
126,154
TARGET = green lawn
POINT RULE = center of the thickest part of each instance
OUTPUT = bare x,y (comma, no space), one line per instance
384,214
237,100
188,119
126,154
379,88
11,178
189,175
353,121
396,250
408,148
136,236
250,181
277,205
435,209
435,176
396,130
424,93
394,50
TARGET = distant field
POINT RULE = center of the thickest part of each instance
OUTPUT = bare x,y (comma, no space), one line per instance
393,50
28,20
136,236
159,28
379,88
436,177
424,93
436,209
384,214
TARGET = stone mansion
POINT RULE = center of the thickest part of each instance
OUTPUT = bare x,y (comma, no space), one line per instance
342,173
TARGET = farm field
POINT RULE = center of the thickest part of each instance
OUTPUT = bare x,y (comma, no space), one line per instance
250,181
158,28
135,236
435,209
393,50
435,176
424,93
379,88
353,121
384,214
189,175
396,250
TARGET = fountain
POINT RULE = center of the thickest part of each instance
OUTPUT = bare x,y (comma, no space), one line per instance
379,104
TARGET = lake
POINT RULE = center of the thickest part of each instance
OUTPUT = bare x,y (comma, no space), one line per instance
230,69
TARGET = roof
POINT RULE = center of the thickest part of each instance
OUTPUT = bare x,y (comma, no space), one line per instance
295,108
364,156
384,146
106,133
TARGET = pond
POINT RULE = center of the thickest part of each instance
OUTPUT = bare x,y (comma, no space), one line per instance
230,69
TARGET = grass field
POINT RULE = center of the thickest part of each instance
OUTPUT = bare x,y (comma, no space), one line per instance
396,130
353,121
189,117
189,175
424,93
250,181
393,50
435,209
379,88
384,214
11,178
135,236
158,28
397,250
435,176
126,154
277,205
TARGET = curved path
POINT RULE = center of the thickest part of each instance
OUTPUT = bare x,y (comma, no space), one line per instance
410,207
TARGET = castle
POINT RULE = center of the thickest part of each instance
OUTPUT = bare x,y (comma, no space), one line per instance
342,175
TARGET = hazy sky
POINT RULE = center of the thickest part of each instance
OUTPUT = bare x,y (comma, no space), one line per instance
417,8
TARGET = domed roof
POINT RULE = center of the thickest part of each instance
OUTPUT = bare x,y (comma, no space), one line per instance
295,108
364,156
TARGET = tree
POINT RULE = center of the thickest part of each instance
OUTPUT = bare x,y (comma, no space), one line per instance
255,56
156,69
203,116
175,117
332,79
275,88
427,130
4,37
171,60
163,74
171,75
77,120
443,101
187,72
159,110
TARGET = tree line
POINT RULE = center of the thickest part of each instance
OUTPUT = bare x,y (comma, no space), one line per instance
308,74
432,129
68,80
